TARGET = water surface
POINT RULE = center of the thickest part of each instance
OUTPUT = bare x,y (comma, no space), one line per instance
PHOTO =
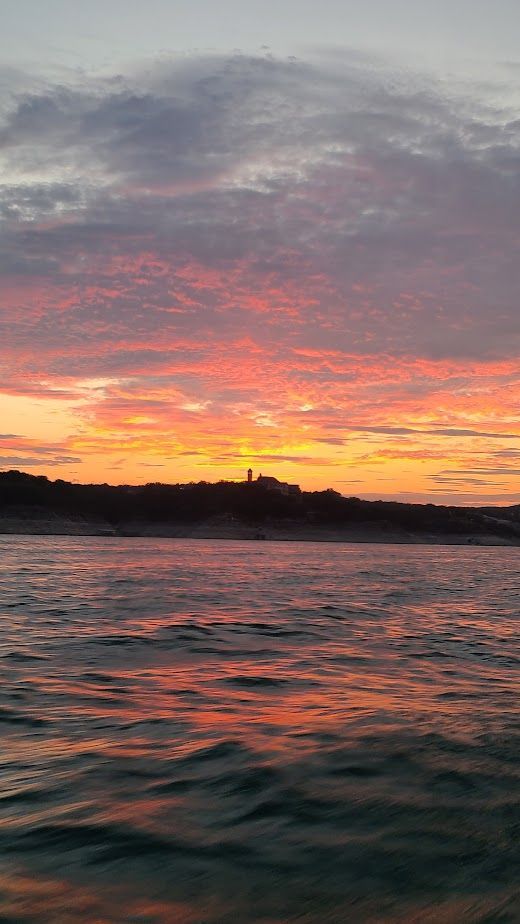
230,732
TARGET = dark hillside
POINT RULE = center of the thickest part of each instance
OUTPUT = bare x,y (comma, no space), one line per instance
32,497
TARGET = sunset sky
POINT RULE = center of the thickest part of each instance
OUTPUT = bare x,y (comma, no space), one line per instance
279,235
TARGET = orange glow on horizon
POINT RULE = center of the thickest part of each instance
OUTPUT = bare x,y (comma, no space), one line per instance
342,432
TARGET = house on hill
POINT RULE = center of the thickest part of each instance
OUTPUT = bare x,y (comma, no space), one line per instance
273,484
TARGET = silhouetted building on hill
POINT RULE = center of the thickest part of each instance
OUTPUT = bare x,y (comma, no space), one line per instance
273,484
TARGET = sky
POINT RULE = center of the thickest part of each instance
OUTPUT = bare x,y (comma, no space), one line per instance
279,235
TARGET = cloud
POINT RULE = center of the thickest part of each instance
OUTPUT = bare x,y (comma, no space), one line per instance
386,207
454,481
26,445
253,254
436,431
35,461
506,472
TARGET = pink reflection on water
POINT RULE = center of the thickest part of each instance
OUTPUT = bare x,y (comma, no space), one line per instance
199,731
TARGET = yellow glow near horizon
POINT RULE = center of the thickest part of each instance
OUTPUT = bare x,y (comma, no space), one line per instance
69,438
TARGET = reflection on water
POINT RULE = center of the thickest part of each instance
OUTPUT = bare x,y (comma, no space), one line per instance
232,732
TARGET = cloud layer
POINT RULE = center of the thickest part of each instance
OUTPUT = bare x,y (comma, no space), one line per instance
223,259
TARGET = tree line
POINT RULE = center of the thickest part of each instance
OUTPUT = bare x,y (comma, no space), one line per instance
253,504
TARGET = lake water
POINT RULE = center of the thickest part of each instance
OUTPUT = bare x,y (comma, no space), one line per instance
257,732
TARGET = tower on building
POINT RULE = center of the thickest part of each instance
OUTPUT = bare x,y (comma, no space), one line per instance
249,475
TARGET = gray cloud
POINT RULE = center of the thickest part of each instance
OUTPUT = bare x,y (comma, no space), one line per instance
503,471
474,482
453,431
384,215
433,431
32,446
34,461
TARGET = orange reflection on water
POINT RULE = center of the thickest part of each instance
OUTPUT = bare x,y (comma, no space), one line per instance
204,731
29,897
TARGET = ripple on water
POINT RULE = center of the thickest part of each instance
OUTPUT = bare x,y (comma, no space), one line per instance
216,732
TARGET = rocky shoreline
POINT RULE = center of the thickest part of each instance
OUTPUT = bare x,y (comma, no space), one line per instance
67,526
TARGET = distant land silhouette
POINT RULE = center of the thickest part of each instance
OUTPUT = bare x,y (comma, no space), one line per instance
33,504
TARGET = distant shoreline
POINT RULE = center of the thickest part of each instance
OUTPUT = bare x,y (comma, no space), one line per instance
57,526
33,505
